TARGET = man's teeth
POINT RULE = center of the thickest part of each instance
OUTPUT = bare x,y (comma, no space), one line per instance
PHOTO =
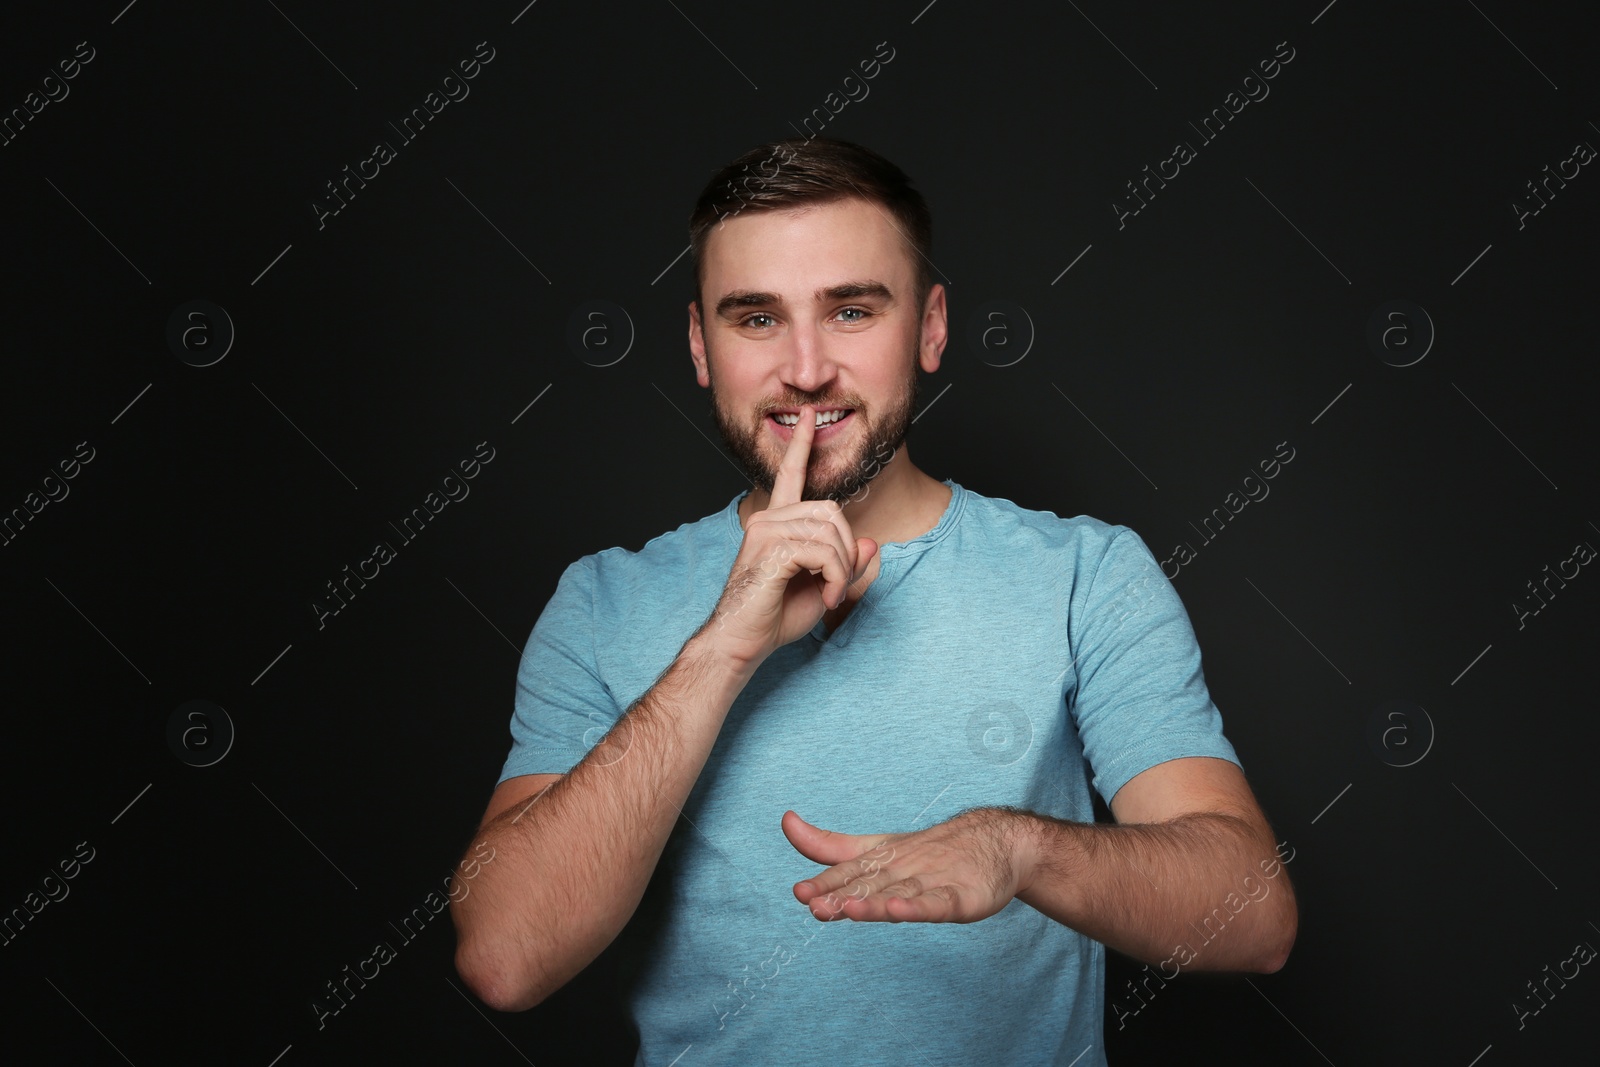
824,418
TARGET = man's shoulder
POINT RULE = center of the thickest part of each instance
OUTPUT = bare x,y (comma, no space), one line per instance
1007,522
669,557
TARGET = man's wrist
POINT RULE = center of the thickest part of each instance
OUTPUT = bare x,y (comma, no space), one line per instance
1046,851
707,653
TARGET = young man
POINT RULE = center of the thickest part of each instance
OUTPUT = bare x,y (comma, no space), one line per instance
935,678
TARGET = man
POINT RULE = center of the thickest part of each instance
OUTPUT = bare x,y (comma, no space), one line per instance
933,677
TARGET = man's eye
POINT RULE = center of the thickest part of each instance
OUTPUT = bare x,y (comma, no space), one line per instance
748,320
863,312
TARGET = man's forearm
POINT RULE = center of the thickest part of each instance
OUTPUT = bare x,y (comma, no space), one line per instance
573,864
1205,891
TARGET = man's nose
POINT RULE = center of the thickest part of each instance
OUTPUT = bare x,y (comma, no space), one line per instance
808,367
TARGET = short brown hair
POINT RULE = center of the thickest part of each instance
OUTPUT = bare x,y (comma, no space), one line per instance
800,171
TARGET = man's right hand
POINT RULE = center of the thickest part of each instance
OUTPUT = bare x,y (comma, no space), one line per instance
797,561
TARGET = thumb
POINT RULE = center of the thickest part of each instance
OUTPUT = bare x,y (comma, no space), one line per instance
866,548
819,845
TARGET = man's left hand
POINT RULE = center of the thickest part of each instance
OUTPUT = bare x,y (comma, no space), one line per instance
961,871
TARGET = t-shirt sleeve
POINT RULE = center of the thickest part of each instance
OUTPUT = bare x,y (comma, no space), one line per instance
1140,696
562,706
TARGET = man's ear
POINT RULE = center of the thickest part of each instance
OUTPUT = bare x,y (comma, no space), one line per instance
697,345
935,329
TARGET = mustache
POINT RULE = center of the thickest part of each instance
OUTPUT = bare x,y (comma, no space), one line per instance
820,405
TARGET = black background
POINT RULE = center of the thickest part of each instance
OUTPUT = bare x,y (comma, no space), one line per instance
375,352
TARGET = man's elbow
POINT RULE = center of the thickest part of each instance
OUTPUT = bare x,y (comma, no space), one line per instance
1286,929
496,984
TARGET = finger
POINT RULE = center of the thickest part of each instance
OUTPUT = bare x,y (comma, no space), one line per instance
866,548
827,893
825,519
851,879
791,479
903,901
824,846
829,909
860,875
805,530
857,902
796,555
898,903
936,905
858,551
861,908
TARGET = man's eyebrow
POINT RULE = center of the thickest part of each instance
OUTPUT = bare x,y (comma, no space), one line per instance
749,298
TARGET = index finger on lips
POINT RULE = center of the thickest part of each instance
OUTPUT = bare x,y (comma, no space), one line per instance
791,479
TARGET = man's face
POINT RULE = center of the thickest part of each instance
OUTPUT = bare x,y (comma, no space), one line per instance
813,307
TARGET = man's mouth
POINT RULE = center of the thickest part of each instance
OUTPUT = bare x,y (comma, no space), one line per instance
829,420
825,417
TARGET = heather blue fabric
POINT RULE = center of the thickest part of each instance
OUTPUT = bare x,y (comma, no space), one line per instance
1007,656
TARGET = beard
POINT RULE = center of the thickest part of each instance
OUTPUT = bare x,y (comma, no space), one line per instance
837,471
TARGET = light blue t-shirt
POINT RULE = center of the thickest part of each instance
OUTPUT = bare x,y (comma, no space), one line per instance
1005,657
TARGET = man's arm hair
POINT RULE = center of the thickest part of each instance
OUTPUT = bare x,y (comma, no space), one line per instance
571,865
1189,877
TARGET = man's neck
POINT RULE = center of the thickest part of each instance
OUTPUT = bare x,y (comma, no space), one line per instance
900,504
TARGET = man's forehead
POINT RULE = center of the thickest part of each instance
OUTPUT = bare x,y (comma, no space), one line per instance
796,256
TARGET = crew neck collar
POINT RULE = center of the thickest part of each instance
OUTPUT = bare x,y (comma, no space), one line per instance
920,543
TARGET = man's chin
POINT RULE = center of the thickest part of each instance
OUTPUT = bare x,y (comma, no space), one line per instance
846,466
838,487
